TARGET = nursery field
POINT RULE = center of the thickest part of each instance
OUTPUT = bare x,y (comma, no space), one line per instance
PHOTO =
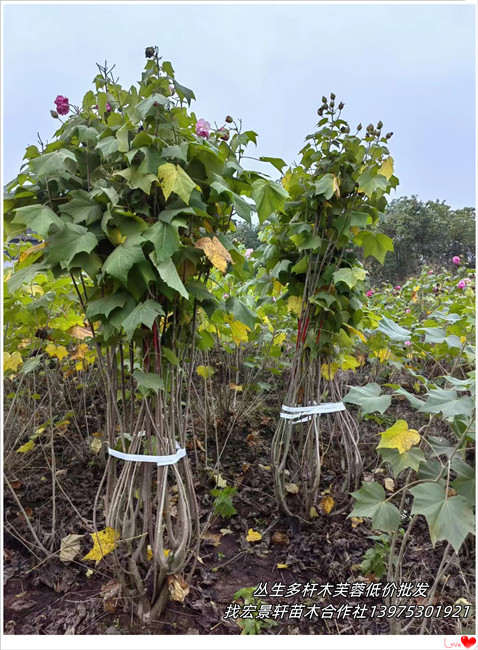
202,437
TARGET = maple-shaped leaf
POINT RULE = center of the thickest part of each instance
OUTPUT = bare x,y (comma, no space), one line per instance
215,252
104,541
253,536
400,437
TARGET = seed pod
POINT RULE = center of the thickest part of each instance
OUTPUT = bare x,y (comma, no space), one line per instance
359,127
332,95
389,135
379,125
54,114
228,119
332,104
149,52
324,99
341,105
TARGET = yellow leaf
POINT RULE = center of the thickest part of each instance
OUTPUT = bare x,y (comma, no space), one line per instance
389,484
238,330
57,351
235,387
328,370
253,536
95,445
336,187
104,541
79,332
178,588
28,446
292,488
205,371
279,339
349,363
357,332
383,354
173,178
11,361
327,504
149,553
215,252
286,180
34,289
354,230
80,352
282,566
278,287
387,168
313,512
356,521
29,251
294,304
400,437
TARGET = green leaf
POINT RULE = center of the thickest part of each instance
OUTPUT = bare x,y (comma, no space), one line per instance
165,239
82,207
143,314
368,183
464,482
170,356
325,186
122,137
367,397
104,306
349,276
176,151
448,403
169,275
241,312
38,218
393,331
414,401
124,257
448,518
148,381
183,92
173,178
65,244
374,244
242,207
433,334
137,179
24,276
370,502
399,462
269,197
108,146
278,163
59,163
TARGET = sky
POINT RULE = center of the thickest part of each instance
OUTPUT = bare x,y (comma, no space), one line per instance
411,66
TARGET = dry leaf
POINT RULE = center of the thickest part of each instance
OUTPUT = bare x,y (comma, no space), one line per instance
215,252
356,521
327,504
235,387
389,484
215,538
313,512
111,593
70,547
79,332
178,588
104,541
253,536
30,251
292,488
226,531
280,539
95,445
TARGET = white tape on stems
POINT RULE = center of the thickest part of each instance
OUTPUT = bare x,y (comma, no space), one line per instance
297,413
159,460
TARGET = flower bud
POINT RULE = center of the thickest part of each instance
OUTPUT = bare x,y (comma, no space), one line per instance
54,114
359,127
341,105
228,119
324,99
389,135
370,128
379,125
149,52
332,96
332,104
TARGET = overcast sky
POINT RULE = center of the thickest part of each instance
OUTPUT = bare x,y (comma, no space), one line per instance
411,66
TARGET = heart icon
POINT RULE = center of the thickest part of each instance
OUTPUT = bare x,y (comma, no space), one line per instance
468,641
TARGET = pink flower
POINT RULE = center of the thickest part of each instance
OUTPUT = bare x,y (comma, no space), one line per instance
369,293
274,299
408,343
461,284
456,259
248,253
203,128
108,107
407,311
398,287
430,272
62,105
225,295
223,134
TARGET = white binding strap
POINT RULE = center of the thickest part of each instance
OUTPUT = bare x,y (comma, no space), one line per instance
297,413
159,460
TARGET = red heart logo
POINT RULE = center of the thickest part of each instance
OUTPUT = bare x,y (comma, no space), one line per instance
468,641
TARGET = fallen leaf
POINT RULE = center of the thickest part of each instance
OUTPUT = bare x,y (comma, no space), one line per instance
111,593
95,445
104,541
282,566
226,531
235,387
292,488
327,504
70,547
178,588
389,484
313,512
16,485
215,252
28,446
215,538
89,573
280,539
253,536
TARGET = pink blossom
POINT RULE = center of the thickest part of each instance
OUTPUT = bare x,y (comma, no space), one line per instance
408,343
430,272
369,293
203,128
461,284
398,287
456,260
108,107
248,253
225,295
274,299
407,311
62,105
